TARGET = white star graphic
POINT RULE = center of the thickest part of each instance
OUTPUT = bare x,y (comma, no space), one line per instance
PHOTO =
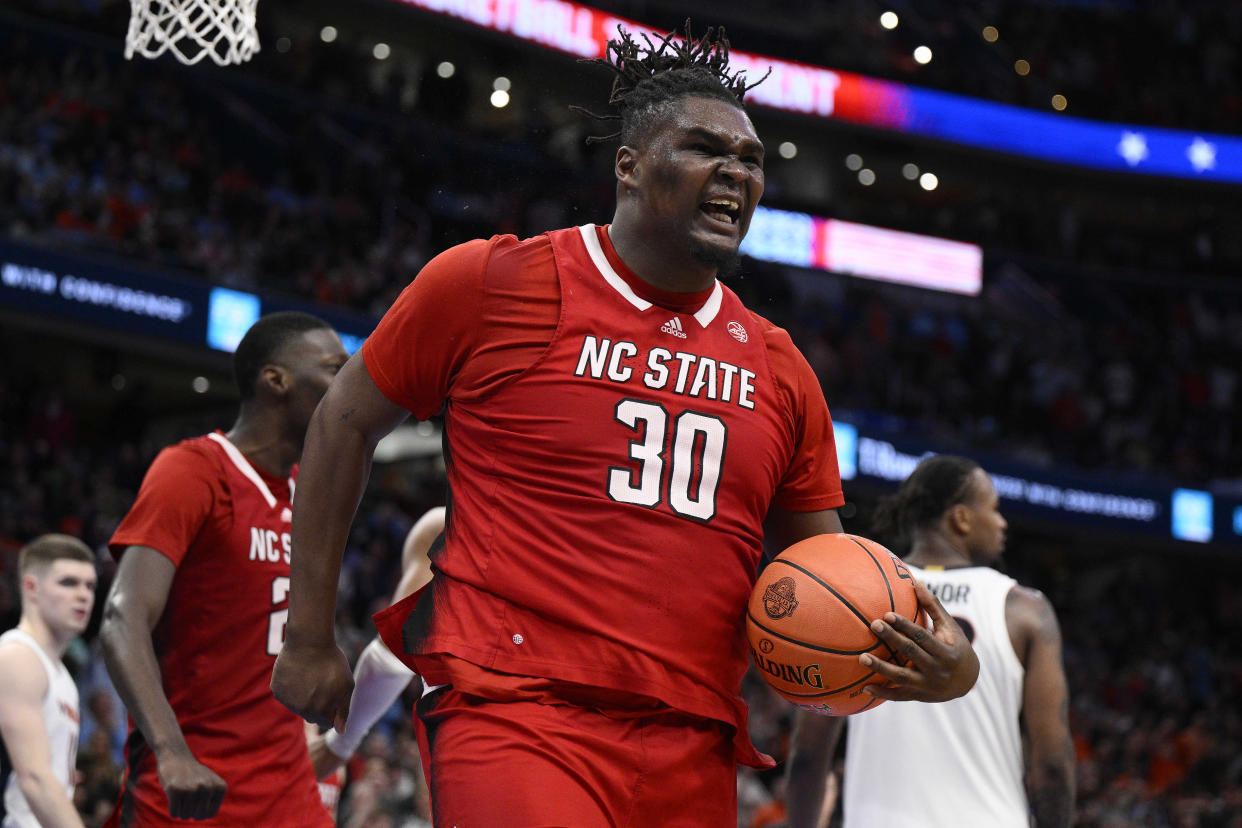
1202,154
1133,147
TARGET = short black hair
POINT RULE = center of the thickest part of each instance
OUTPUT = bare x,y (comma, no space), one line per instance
937,484
263,342
41,552
648,80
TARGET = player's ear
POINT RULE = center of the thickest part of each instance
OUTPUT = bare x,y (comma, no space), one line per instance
626,166
274,379
959,518
30,584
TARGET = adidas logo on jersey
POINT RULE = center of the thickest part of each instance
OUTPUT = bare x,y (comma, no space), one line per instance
673,326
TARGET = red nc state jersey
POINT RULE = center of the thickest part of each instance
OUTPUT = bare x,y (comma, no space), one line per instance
607,502
225,524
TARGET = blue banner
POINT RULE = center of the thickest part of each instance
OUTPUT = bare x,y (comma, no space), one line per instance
1067,140
136,300
1104,501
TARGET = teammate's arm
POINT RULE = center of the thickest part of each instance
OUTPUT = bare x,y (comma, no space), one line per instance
811,783
312,676
23,685
1045,708
379,676
134,606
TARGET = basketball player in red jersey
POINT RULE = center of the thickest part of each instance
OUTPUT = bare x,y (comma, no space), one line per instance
196,614
619,426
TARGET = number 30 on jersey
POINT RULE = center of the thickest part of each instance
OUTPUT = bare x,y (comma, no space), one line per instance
689,471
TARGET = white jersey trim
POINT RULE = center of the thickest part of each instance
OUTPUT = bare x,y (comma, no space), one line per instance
243,465
595,250
711,307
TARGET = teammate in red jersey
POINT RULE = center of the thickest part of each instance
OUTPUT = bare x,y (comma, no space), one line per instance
196,614
623,437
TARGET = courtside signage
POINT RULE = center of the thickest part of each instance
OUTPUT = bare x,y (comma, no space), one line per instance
827,93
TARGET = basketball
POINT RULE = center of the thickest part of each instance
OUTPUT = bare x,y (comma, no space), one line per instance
809,620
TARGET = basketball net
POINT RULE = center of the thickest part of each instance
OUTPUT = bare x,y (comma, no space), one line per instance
223,30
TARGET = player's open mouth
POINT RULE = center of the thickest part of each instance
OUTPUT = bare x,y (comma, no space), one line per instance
723,209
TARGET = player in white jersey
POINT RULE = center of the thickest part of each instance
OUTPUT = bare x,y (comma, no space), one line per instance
961,762
38,698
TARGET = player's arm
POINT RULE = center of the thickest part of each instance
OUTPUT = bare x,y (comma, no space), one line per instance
811,783
312,676
134,606
379,676
23,685
415,563
1045,709
783,528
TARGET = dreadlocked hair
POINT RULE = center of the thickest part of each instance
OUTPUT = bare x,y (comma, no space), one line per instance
649,79
936,484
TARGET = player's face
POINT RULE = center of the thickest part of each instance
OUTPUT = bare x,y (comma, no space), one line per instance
703,179
64,595
986,540
311,360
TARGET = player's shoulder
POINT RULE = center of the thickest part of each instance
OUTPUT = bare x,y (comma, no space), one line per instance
21,669
495,258
199,456
789,367
501,244
773,336
193,450
1029,609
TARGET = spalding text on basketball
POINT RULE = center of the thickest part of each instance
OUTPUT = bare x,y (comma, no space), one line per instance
807,675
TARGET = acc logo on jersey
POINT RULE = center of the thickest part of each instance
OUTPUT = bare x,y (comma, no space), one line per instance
736,331
778,599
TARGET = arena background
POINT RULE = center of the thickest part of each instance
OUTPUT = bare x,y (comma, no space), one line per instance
1087,168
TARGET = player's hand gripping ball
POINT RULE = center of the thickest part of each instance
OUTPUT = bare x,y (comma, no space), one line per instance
809,620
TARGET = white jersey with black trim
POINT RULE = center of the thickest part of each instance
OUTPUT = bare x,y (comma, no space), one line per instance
60,720
957,763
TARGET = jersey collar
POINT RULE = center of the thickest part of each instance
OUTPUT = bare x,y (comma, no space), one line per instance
703,315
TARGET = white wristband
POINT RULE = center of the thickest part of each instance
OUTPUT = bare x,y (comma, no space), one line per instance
379,679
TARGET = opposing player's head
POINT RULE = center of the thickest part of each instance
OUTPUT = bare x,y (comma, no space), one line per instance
945,498
690,166
286,361
58,583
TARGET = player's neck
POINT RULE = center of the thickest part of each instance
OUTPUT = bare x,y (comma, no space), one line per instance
935,550
262,440
51,643
672,270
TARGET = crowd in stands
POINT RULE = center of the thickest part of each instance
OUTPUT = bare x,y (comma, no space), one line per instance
342,195
104,156
1115,60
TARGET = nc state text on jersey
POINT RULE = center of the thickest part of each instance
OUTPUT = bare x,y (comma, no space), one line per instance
682,373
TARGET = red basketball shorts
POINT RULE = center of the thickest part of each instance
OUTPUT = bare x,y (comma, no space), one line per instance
530,765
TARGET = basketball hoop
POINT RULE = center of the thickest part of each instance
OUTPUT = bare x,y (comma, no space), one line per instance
223,30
